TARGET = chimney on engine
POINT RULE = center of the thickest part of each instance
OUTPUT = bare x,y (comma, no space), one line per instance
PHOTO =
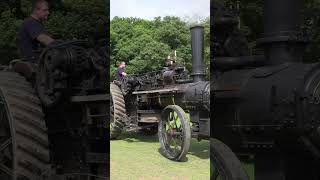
197,45
282,39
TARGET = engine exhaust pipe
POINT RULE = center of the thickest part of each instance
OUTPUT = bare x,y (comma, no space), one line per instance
197,45
281,39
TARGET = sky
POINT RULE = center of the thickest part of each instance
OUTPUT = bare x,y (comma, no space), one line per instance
148,9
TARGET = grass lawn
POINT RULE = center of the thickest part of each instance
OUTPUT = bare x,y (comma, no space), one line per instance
136,157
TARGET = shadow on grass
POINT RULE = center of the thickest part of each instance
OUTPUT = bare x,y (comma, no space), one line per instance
139,137
198,149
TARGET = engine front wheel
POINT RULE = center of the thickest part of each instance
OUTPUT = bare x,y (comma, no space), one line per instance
174,133
224,163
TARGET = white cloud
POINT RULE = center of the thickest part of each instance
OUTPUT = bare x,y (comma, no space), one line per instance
148,9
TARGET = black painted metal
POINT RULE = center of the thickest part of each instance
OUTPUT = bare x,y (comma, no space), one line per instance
272,110
71,84
281,16
197,45
226,63
76,118
282,38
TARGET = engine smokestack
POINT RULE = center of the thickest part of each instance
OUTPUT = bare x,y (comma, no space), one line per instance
197,45
281,38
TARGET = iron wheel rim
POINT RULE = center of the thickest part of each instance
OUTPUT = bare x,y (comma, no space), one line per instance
173,132
7,144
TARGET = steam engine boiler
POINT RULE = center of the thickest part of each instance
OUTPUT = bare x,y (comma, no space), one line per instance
267,105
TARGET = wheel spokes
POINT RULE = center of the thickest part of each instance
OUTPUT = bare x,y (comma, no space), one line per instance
3,121
6,170
174,134
215,173
170,116
5,144
2,112
5,158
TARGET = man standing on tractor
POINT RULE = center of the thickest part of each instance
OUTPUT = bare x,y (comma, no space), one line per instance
32,34
120,72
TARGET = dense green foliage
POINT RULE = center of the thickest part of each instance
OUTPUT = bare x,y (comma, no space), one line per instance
69,19
144,44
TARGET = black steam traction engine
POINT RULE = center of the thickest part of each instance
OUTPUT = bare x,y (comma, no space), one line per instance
267,106
53,115
159,101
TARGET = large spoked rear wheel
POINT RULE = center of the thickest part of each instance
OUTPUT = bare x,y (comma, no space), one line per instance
224,163
174,133
117,111
24,153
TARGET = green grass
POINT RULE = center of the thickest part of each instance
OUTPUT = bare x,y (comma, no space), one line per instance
137,157
249,168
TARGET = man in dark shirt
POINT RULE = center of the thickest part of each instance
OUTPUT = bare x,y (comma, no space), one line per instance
120,71
32,33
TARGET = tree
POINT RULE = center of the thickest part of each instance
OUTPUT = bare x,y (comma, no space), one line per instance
251,13
69,19
144,44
